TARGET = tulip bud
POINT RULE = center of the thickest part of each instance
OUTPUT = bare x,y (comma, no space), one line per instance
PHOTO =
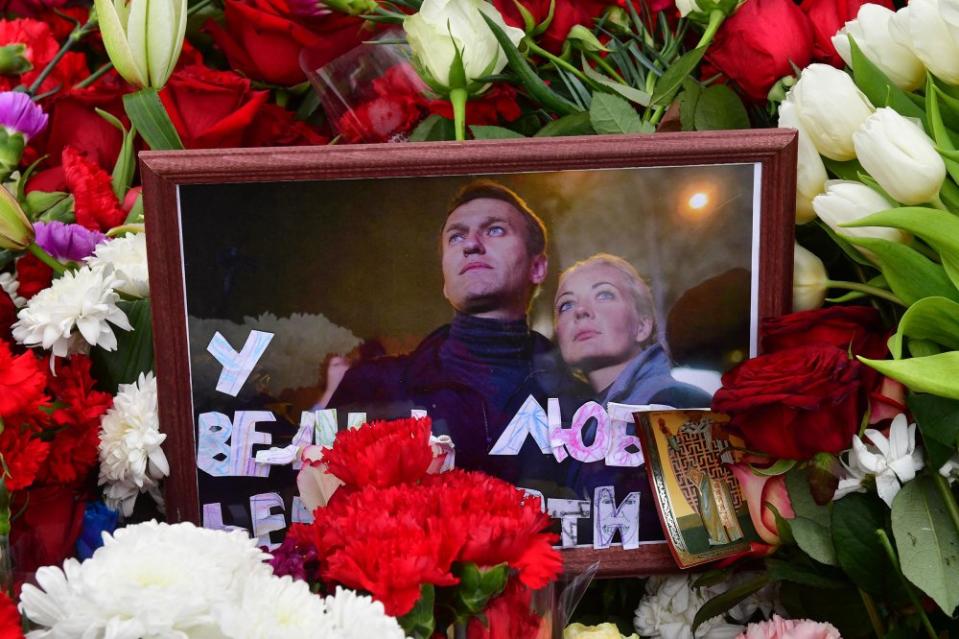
831,108
16,232
809,280
846,201
900,156
143,38
810,171
920,27
441,27
870,30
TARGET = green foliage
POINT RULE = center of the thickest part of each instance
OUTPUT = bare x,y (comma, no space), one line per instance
614,115
910,274
477,586
878,88
481,132
672,79
150,118
419,623
811,527
433,128
723,602
932,318
927,541
938,421
936,374
134,352
855,520
573,124
718,107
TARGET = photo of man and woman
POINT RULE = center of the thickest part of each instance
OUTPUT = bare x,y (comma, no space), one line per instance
508,307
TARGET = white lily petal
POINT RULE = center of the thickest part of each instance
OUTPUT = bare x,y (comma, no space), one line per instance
137,36
160,44
887,486
113,32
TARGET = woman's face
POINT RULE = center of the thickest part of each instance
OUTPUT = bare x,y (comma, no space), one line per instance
597,324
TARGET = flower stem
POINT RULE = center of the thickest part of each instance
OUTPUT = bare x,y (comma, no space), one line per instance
46,258
939,204
948,497
873,613
78,33
867,289
913,597
604,65
93,77
716,18
558,61
458,100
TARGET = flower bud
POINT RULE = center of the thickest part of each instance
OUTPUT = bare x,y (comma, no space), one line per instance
870,30
831,108
846,201
20,119
920,27
441,27
143,38
810,171
16,232
900,156
809,280
351,7
13,59
699,10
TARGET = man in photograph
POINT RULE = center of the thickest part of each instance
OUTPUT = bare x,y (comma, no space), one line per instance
474,374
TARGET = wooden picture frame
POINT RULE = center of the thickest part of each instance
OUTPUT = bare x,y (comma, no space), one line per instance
772,152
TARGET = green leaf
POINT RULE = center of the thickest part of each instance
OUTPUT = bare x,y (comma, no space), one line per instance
624,90
780,467
125,166
62,211
927,541
782,570
134,353
672,79
922,348
878,88
800,496
687,103
938,421
573,124
481,132
931,318
910,274
849,170
720,108
723,602
433,128
938,128
811,526
135,216
842,608
36,202
613,114
419,622
814,540
855,520
939,228
477,586
147,114
534,85
936,374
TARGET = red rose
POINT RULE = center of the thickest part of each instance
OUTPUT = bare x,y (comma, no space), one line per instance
276,126
828,17
263,39
858,329
760,43
8,315
33,275
211,109
496,106
46,533
566,15
795,402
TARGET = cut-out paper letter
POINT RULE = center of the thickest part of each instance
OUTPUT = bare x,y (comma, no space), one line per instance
300,514
237,366
624,449
355,420
530,419
265,520
326,427
568,511
245,436
212,451
588,418
555,420
607,519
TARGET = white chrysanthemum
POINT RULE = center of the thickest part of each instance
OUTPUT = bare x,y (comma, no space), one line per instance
671,603
301,342
83,300
359,617
10,286
279,608
131,459
128,256
148,580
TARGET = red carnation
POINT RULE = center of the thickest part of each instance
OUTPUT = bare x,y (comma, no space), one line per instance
381,453
10,624
22,381
95,203
77,419
23,455
508,616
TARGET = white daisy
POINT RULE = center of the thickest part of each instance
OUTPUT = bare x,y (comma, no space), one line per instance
131,459
128,256
83,300
890,462
358,617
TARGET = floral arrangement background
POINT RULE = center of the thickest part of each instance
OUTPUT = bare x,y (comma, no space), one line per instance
852,412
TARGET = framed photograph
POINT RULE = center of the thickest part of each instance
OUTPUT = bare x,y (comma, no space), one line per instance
526,295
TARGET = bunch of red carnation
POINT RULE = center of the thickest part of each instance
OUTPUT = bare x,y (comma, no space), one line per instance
408,537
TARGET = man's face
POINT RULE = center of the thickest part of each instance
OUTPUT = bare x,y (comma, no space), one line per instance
487,270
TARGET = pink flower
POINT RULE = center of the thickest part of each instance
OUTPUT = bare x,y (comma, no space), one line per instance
763,494
779,628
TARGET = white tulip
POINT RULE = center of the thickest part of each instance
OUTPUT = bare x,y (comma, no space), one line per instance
870,30
809,280
846,201
830,108
920,26
900,156
443,26
810,171
143,38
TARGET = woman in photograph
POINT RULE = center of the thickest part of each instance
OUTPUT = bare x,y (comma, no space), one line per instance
606,329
